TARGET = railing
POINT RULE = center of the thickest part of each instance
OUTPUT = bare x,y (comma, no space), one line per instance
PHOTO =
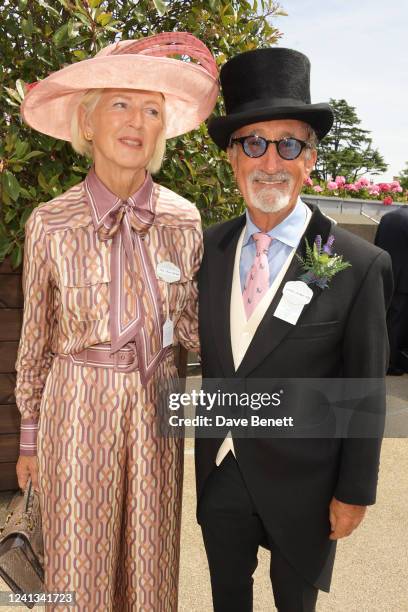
371,209
371,218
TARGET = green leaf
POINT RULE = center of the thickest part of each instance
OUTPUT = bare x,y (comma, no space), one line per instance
94,3
73,28
10,214
21,149
15,165
27,26
31,155
161,7
23,219
11,185
84,18
13,93
81,55
5,249
104,18
6,198
49,8
16,256
25,193
43,59
12,103
20,88
42,182
61,35
110,27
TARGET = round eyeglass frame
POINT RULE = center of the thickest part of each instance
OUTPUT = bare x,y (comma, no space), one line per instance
243,141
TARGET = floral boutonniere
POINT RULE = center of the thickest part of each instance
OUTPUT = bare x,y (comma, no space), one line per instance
320,263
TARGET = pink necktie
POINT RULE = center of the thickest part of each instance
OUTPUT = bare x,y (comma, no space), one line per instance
257,281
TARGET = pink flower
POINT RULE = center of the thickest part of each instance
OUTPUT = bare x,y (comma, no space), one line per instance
363,182
387,200
317,189
384,187
396,187
350,187
332,185
340,180
374,190
308,182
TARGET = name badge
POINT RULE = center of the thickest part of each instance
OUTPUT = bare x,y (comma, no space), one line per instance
168,272
296,294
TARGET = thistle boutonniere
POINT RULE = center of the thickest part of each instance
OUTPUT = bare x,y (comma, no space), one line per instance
320,263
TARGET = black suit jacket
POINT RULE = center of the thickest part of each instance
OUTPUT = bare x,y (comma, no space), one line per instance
340,333
392,236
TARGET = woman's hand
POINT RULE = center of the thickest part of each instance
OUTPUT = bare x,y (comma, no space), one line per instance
27,467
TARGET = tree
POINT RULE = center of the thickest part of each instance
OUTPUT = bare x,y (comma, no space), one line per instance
347,150
39,36
403,177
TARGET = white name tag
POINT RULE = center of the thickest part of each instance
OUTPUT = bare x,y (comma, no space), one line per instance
296,294
168,333
168,272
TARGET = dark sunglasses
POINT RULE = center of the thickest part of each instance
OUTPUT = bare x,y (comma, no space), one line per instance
256,146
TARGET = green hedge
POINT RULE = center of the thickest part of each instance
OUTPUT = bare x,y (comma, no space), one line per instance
38,37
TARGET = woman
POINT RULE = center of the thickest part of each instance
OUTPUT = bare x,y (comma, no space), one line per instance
108,280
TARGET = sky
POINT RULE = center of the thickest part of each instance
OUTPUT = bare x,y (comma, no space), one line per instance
357,52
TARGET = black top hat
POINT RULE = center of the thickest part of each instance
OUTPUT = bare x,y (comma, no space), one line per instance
267,84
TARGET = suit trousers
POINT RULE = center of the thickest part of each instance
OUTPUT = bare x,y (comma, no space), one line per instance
232,532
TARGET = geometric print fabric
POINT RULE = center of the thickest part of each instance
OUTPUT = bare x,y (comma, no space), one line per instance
110,489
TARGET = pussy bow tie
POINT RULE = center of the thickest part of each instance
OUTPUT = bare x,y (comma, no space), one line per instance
124,216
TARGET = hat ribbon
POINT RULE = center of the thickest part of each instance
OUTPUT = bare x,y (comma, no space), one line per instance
167,44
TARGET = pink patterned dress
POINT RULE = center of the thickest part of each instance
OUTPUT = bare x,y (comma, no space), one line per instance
110,485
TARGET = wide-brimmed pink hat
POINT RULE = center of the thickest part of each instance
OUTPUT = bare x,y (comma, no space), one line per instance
190,89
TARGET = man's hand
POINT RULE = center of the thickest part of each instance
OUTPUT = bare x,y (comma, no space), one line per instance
344,518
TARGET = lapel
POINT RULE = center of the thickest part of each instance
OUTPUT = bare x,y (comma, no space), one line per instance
271,330
220,273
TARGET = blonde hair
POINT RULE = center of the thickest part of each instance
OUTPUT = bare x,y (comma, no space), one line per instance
84,147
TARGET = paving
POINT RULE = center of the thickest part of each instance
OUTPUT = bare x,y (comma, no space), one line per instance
371,570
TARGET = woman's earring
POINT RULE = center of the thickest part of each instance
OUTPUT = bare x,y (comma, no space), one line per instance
88,136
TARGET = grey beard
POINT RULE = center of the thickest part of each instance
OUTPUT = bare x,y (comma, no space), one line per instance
269,199
268,202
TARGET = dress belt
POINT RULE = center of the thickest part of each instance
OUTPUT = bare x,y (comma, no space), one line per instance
124,360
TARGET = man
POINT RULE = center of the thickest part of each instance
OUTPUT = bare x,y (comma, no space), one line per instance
294,496
392,236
